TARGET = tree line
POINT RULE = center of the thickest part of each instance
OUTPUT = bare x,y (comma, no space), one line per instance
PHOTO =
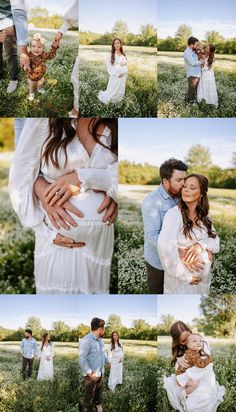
179,41
147,36
218,317
198,160
61,332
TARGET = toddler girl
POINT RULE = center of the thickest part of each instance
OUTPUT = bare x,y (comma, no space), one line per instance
37,59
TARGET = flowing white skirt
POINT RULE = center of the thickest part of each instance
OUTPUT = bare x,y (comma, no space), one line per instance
116,374
45,370
116,87
205,398
84,270
207,87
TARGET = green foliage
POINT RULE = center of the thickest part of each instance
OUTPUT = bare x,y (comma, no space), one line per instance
172,89
58,99
40,17
6,134
219,312
65,392
136,173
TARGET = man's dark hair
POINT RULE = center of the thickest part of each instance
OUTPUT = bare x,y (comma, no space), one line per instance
97,323
167,168
192,40
28,331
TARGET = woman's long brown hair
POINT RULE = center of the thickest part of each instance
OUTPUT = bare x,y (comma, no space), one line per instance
202,210
177,348
113,340
113,50
62,132
211,55
44,340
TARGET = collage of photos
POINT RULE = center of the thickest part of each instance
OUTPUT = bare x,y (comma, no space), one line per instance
118,206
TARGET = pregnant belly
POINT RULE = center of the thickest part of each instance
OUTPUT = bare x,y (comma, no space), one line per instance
90,226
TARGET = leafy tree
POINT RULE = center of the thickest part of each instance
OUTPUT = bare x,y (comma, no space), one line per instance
148,35
120,30
7,134
113,323
198,159
183,33
219,315
36,326
214,37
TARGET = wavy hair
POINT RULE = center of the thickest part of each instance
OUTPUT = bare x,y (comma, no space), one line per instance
44,340
113,340
202,210
63,131
176,331
211,55
113,50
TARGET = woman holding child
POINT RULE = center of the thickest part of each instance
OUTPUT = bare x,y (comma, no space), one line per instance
193,387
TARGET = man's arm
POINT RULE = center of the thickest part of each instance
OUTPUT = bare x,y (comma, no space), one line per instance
190,59
84,349
152,221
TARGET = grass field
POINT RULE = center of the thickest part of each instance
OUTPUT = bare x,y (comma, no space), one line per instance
65,392
132,276
224,358
172,87
17,246
58,99
141,88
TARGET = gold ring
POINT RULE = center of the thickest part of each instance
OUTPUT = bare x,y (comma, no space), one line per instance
59,193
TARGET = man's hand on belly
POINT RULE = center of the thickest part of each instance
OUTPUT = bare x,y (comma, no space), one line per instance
111,208
67,242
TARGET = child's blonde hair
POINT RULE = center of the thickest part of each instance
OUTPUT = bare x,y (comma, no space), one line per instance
37,37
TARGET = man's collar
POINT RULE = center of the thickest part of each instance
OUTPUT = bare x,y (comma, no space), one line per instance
164,193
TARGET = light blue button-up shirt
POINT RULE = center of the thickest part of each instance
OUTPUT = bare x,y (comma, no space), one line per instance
154,208
29,348
92,358
192,64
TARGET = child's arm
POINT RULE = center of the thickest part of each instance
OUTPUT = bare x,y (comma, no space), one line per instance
52,53
197,361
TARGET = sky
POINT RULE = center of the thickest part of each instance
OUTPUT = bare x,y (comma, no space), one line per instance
15,310
53,6
205,15
182,307
100,16
156,140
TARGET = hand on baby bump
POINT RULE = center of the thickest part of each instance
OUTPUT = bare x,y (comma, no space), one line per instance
62,189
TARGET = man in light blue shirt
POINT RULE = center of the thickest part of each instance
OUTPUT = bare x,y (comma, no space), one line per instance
193,68
29,351
154,208
92,361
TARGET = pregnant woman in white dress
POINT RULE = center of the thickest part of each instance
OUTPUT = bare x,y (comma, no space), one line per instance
206,89
204,392
116,357
117,70
185,225
46,359
60,150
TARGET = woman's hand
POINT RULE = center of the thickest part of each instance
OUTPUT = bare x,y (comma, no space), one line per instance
195,281
192,253
190,386
67,242
62,189
111,208
182,362
59,217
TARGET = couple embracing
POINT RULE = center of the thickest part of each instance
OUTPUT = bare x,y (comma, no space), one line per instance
180,240
199,61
